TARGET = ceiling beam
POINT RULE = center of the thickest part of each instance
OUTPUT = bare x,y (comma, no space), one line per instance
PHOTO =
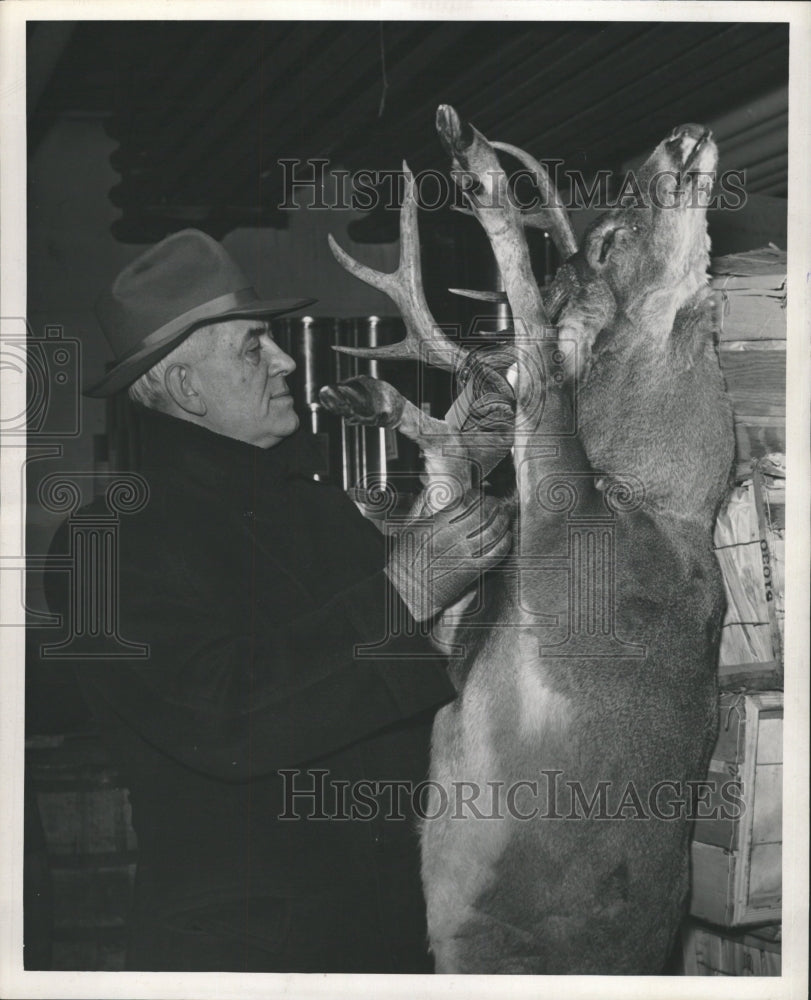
267,95
734,78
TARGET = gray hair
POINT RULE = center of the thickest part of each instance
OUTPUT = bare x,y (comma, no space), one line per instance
150,389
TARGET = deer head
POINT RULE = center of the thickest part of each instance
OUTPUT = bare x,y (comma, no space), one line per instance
641,261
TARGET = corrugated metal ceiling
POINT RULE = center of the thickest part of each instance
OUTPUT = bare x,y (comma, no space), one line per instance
203,111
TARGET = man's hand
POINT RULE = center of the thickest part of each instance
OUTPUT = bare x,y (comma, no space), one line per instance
434,560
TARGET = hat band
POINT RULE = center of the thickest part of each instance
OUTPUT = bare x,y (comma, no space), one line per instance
208,310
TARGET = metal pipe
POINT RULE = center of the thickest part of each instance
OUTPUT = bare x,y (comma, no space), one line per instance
308,348
378,433
337,338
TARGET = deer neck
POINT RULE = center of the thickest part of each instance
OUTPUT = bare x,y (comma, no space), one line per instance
547,447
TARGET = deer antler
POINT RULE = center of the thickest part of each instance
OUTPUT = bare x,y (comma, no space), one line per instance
475,159
472,293
551,215
424,341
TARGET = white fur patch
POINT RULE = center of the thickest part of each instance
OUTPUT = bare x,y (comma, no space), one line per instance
688,144
541,710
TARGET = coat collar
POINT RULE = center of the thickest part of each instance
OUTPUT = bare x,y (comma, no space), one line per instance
218,462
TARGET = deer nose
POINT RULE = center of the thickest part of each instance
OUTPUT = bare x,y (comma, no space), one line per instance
688,131
685,141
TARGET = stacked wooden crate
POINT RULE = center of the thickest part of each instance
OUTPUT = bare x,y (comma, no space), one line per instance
750,289
734,953
92,849
737,849
737,853
750,545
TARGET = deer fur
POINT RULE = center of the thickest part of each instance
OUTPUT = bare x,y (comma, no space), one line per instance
621,461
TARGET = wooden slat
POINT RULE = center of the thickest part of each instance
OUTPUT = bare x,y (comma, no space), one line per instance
761,220
711,876
92,899
638,68
758,488
756,382
402,76
354,108
750,676
213,146
193,63
281,112
691,90
722,832
735,878
474,88
708,952
234,78
752,319
106,955
96,861
756,437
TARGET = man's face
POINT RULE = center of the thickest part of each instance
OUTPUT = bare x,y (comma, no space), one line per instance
240,377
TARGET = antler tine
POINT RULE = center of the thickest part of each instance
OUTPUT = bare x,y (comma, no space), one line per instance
377,279
409,266
554,214
404,288
463,211
471,293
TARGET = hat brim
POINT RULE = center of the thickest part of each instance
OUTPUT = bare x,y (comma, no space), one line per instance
131,368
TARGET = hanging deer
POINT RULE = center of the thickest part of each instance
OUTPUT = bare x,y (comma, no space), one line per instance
586,684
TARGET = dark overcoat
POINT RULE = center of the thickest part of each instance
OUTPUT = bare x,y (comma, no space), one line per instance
261,596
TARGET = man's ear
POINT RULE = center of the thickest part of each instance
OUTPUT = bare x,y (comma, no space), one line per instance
182,387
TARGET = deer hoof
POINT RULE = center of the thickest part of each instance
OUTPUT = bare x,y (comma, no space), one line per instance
364,400
456,136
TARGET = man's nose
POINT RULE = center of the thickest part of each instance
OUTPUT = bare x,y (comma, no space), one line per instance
279,362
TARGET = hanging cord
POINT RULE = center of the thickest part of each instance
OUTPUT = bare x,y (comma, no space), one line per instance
385,86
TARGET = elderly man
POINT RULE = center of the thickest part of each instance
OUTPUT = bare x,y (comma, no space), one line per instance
262,708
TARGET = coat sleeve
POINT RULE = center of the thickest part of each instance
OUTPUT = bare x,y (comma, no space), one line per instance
239,702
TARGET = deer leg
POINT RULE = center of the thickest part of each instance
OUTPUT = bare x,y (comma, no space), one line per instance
375,403
480,175
447,473
364,400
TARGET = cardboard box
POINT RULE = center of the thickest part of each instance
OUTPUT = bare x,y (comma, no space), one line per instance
709,952
750,290
750,546
737,859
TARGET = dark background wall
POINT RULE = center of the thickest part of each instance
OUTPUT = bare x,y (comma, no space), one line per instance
136,129
139,129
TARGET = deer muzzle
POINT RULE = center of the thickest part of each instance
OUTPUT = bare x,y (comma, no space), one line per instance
688,145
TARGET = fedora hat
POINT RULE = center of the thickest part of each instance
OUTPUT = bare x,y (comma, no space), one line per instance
185,281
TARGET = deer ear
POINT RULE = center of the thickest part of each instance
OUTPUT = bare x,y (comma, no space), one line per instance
601,243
